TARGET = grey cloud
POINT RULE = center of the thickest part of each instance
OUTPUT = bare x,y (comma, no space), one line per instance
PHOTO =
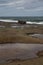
6,1
40,0
2,2
33,4
27,4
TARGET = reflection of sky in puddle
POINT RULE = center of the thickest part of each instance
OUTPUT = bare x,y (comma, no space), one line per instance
19,51
37,35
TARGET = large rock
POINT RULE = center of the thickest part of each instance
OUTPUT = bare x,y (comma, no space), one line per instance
21,22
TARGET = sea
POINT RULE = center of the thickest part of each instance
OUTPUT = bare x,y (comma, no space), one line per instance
29,20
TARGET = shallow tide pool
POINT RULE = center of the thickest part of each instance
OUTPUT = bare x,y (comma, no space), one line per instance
19,51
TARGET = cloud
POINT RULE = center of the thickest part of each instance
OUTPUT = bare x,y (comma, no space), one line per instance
11,2
23,4
35,9
6,3
19,8
32,4
40,0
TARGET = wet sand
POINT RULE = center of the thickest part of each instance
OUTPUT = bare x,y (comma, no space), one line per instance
9,52
35,61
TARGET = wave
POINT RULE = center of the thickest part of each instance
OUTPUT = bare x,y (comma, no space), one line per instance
27,22
6,20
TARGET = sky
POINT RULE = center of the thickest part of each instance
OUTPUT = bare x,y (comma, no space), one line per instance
21,7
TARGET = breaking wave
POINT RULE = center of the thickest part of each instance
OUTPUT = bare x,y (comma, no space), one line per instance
6,20
27,22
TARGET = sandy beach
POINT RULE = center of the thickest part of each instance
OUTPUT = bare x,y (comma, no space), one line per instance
22,34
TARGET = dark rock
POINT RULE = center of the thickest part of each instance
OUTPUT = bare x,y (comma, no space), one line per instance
21,22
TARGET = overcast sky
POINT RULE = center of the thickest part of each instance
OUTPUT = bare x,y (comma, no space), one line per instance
21,7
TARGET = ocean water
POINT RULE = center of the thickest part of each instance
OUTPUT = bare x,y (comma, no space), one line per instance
29,20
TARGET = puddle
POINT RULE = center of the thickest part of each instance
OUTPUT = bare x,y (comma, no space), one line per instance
19,51
37,35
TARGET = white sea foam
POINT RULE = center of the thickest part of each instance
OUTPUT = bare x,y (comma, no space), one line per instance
6,20
29,22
